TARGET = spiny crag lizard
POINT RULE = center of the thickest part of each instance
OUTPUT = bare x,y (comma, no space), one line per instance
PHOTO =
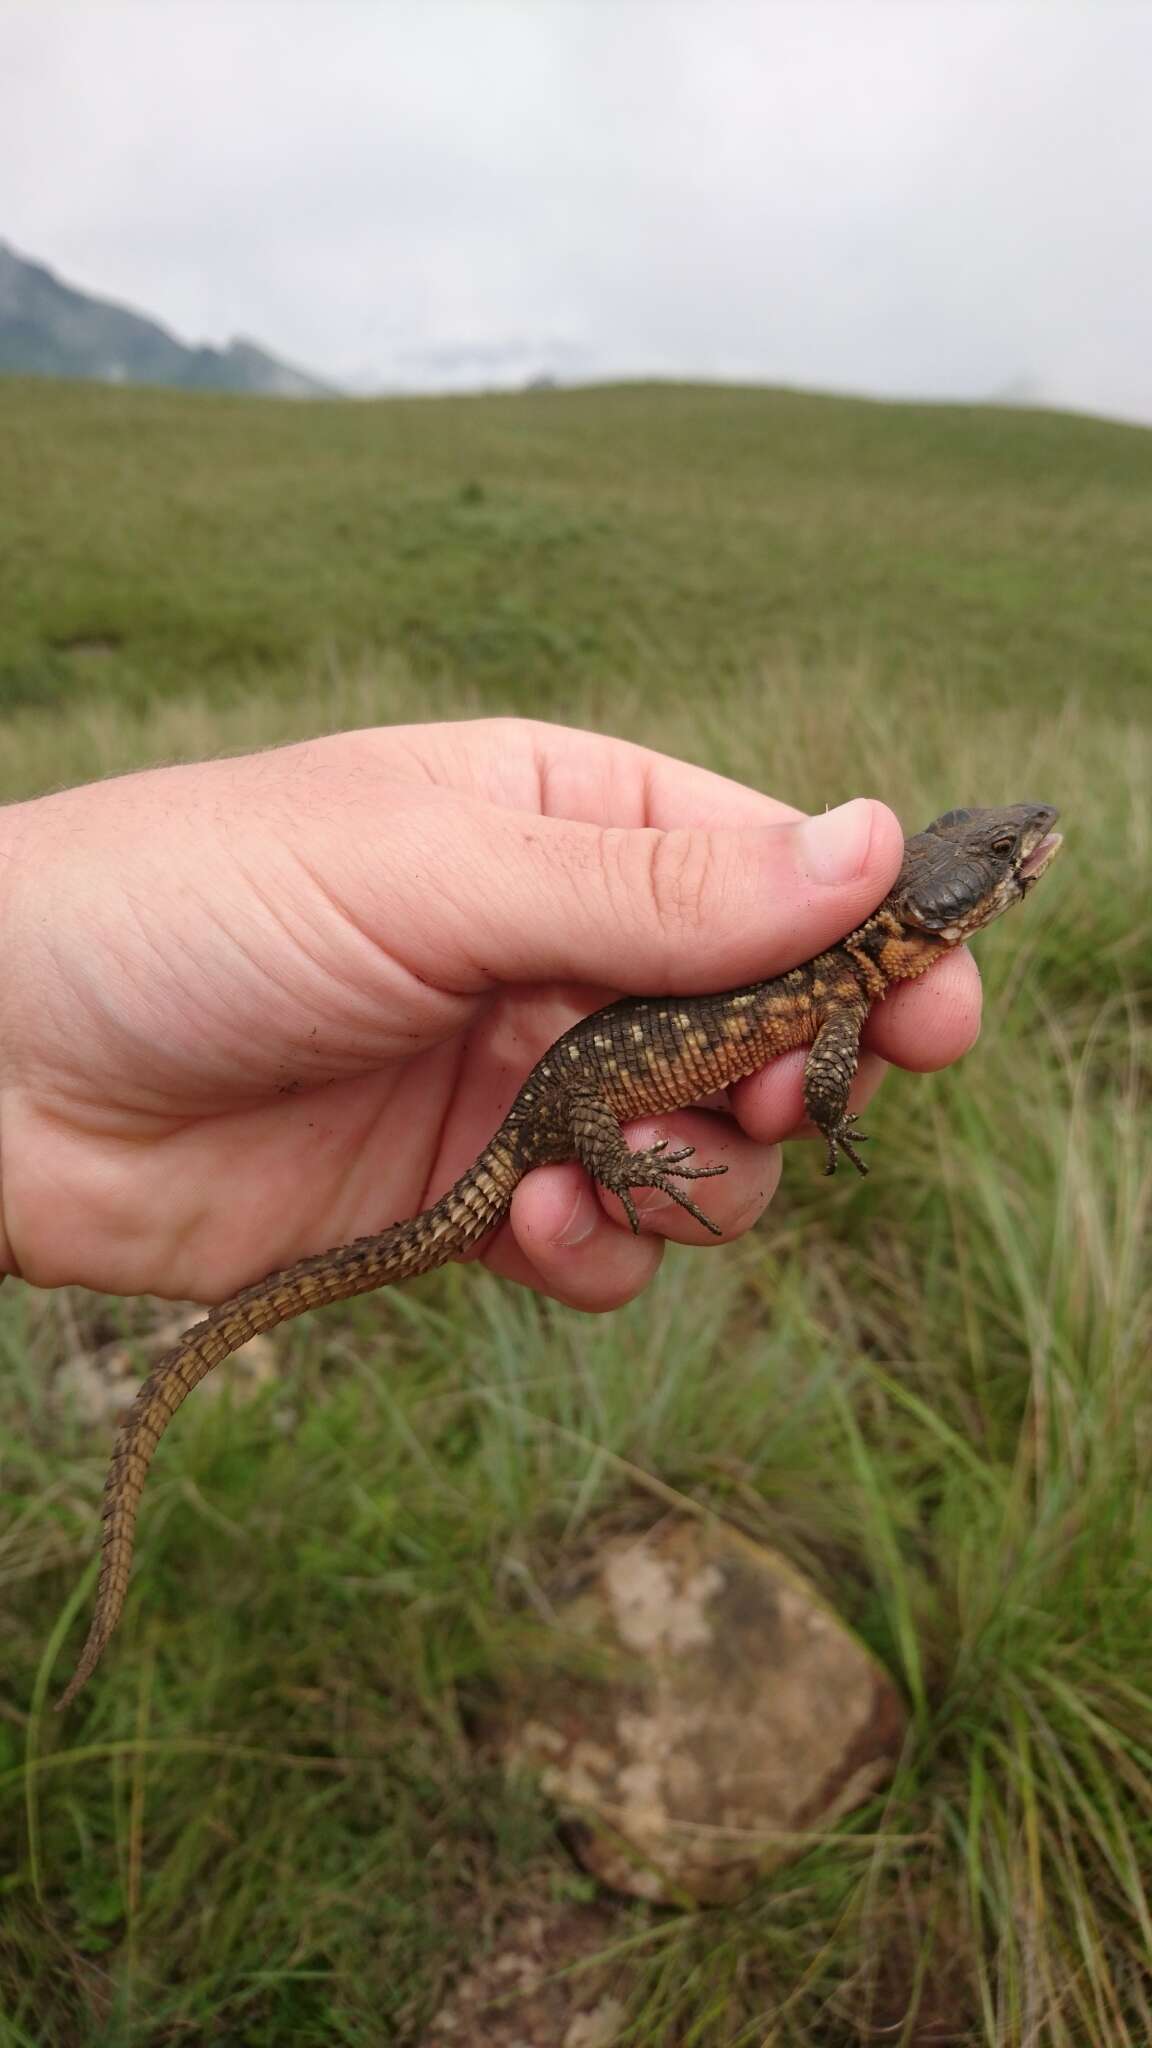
636,1056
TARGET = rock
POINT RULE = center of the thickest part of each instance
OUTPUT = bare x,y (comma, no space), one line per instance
96,1395
540,1983
598,2028
101,1385
729,1716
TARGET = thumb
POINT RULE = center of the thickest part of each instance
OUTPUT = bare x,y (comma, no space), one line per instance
650,911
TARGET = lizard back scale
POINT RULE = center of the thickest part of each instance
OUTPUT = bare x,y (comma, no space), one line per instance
635,1056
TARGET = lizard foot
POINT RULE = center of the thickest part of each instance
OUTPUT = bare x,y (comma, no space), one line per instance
838,1138
656,1167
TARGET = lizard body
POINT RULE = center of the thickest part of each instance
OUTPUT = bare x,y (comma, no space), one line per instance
629,1059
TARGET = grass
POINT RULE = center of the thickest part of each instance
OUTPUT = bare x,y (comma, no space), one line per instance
269,1820
541,545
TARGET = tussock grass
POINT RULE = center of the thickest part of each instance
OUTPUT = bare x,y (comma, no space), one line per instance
267,1822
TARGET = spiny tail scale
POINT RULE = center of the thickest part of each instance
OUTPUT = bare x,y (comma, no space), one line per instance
458,1220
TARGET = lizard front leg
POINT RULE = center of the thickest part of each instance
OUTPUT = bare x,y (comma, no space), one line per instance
599,1145
829,1072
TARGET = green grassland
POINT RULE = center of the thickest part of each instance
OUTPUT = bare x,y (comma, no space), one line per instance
268,1821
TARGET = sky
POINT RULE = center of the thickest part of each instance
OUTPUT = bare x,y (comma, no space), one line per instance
908,198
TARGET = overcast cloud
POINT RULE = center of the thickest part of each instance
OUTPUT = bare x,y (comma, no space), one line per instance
947,198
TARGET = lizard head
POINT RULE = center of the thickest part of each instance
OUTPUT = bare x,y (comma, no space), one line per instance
970,865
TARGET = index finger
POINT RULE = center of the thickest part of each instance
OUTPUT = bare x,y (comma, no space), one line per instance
587,777
594,778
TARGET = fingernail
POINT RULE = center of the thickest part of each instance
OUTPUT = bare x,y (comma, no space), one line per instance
582,1219
834,846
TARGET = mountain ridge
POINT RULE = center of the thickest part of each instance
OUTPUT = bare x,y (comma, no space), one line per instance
52,329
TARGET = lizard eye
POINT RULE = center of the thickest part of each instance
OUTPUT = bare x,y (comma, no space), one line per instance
1005,843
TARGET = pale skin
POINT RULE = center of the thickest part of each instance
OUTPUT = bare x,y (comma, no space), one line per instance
255,1008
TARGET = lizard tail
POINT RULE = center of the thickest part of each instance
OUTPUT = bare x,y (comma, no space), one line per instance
454,1223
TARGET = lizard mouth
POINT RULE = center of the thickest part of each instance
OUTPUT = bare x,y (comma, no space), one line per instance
1041,856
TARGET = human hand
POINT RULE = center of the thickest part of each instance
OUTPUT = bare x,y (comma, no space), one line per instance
257,1007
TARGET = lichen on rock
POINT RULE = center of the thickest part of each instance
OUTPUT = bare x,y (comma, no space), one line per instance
733,1715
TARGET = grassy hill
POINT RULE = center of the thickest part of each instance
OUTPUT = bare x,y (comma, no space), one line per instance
266,1823
528,547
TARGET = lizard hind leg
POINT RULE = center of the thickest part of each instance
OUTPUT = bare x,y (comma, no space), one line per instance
601,1148
829,1072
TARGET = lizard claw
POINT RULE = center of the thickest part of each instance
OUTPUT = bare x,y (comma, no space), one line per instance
685,1202
656,1167
840,1139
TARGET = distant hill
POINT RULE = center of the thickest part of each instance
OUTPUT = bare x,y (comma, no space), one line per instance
48,329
